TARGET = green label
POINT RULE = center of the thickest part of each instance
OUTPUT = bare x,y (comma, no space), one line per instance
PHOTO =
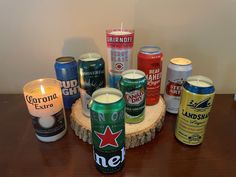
135,105
109,162
108,134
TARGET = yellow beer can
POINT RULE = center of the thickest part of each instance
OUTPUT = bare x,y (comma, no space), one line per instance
195,104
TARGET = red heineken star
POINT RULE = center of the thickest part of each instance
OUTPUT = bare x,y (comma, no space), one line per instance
108,137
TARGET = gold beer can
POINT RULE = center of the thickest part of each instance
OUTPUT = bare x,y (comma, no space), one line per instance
195,104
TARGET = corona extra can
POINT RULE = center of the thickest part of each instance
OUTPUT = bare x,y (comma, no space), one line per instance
66,72
150,62
108,129
133,86
91,69
195,105
179,69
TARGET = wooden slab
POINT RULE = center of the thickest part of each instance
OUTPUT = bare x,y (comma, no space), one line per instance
135,134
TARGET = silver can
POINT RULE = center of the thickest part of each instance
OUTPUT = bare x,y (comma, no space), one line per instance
177,72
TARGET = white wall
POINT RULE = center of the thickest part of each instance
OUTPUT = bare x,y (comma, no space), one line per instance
35,32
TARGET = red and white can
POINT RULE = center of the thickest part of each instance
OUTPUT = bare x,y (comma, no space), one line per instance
150,62
119,53
177,72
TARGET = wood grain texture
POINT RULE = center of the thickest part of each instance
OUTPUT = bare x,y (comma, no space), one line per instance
22,155
135,134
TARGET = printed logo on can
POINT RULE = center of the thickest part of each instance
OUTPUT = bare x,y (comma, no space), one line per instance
135,97
154,78
119,59
173,88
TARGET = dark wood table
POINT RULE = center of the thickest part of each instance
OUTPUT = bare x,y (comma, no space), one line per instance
21,154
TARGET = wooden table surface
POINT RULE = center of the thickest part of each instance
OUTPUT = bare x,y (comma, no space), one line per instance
21,154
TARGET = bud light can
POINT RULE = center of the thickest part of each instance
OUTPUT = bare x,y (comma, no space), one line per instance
133,86
150,62
66,72
91,69
108,129
195,105
179,69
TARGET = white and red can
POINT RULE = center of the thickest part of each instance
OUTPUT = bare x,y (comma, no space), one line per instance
177,72
150,62
119,53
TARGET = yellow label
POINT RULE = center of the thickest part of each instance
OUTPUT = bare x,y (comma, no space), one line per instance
192,117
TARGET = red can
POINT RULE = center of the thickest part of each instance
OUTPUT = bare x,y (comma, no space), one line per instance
150,62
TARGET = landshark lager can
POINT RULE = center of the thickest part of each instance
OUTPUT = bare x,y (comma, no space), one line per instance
66,72
108,129
133,86
179,69
91,69
195,105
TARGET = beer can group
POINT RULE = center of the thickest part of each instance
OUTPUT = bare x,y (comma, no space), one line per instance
150,62
66,72
133,86
108,129
179,69
91,70
195,105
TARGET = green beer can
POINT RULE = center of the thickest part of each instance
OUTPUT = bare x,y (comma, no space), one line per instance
133,86
108,129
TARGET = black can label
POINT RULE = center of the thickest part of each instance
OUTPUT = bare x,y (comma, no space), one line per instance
50,125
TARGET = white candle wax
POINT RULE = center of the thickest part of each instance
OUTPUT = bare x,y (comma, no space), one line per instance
199,83
107,98
133,75
180,61
90,56
120,32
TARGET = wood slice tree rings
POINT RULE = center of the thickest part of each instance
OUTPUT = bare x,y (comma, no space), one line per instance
136,134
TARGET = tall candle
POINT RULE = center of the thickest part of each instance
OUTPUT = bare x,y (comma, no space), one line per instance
119,49
133,85
107,108
196,101
44,101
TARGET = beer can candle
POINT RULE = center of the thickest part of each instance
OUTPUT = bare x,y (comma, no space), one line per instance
195,105
133,86
179,69
108,129
66,72
150,62
44,101
91,69
119,52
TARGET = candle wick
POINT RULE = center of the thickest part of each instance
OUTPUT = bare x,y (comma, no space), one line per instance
107,97
121,26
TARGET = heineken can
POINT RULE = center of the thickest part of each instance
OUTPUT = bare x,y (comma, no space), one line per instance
195,105
66,72
133,86
91,69
179,69
108,129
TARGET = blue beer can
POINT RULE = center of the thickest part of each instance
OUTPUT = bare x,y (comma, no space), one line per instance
66,72
114,79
